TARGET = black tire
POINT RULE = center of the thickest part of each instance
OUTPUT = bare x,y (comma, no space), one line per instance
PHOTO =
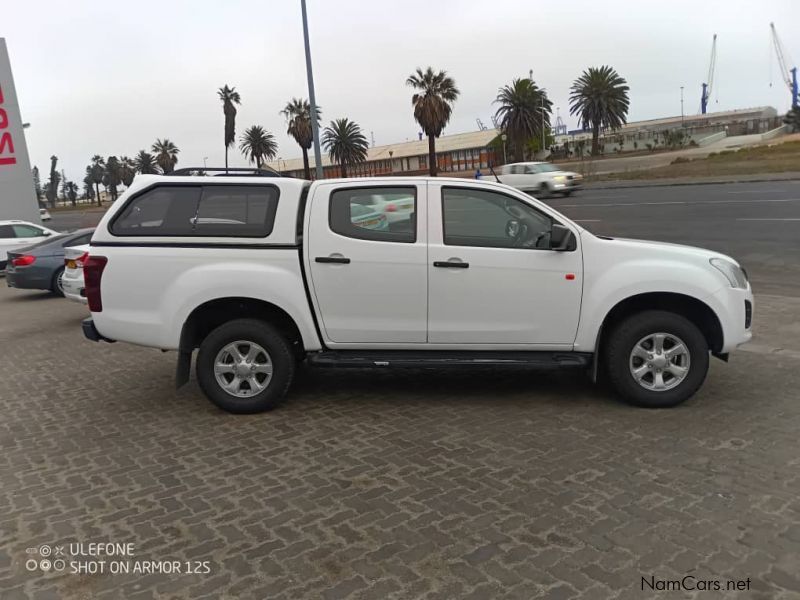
54,286
624,337
567,194
258,332
544,191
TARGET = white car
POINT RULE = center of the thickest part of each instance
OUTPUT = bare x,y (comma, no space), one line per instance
72,281
540,178
484,275
44,214
18,234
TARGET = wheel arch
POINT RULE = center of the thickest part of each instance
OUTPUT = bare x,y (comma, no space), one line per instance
697,311
211,314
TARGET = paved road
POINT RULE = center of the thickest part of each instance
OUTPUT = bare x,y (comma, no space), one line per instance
417,484
756,223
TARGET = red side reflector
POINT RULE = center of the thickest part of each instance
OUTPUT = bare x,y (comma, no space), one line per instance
92,274
23,261
569,276
391,208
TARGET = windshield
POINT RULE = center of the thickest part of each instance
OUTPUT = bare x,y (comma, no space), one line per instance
548,168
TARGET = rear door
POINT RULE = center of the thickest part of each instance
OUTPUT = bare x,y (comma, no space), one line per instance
368,269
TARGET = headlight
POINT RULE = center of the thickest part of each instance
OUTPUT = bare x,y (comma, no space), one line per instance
734,274
559,178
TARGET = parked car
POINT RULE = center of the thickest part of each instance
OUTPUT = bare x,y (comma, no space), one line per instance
18,234
41,266
540,178
485,276
44,215
72,282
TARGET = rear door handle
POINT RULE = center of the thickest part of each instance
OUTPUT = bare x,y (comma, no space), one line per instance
332,259
446,264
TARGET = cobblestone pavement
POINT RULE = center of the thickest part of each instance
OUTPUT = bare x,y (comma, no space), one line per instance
417,484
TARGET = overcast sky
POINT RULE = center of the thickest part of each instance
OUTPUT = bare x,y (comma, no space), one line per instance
99,77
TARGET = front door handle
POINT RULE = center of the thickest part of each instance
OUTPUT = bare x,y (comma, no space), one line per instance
446,264
341,260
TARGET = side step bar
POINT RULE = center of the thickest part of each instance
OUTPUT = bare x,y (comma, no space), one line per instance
446,358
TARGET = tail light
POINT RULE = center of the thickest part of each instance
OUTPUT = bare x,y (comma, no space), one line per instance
81,260
23,261
391,208
92,274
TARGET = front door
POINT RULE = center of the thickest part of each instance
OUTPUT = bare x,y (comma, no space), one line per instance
368,262
492,278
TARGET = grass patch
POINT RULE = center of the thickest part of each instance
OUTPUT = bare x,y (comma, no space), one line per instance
779,158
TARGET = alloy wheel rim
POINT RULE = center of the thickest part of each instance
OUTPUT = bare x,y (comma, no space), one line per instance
659,362
243,368
60,282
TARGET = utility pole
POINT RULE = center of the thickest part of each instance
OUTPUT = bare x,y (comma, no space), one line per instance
681,106
311,97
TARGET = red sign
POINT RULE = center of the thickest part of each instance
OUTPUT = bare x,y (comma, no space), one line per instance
6,141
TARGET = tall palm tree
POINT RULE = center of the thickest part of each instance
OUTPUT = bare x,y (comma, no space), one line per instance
127,170
112,176
88,184
524,107
145,163
258,145
345,143
298,117
600,99
229,97
98,168
166,154
433,105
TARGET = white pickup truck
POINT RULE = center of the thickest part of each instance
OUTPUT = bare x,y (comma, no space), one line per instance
261,273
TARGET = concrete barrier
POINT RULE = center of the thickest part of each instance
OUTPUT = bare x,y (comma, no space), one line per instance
710,139
775,132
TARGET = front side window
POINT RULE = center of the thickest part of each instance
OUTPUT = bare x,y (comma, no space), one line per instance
381,214
473,217
27,231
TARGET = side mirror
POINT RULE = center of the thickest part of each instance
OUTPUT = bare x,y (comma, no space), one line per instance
46,234
562,239
512,228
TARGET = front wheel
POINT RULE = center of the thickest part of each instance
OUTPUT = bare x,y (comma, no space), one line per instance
245,366
656,359
57,283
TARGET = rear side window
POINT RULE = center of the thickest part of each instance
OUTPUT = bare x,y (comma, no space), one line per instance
195,211
236,211
381,214
6,232
167,210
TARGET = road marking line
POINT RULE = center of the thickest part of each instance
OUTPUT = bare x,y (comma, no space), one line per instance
758,192
588,220
768,219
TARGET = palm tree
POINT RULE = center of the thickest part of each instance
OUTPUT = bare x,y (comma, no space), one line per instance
433,105
792,118
258,145
145,163
229,97
98,168
298,116
345,143
112,176
88,184
600,99
524,107
127,170
166,154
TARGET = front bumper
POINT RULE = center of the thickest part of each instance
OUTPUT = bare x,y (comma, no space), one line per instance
735,310
74,289
90,331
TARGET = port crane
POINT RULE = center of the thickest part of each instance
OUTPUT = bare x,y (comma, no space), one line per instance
789,75
709,84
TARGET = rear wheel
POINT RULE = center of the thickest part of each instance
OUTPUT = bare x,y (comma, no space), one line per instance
245,366
57,285
656,359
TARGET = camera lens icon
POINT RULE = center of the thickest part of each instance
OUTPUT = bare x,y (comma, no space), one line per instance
59,565
45,565
31,564
45,550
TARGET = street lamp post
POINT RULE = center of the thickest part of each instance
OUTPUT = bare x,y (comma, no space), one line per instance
311,97
391,162
504,137
681,106
205,158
